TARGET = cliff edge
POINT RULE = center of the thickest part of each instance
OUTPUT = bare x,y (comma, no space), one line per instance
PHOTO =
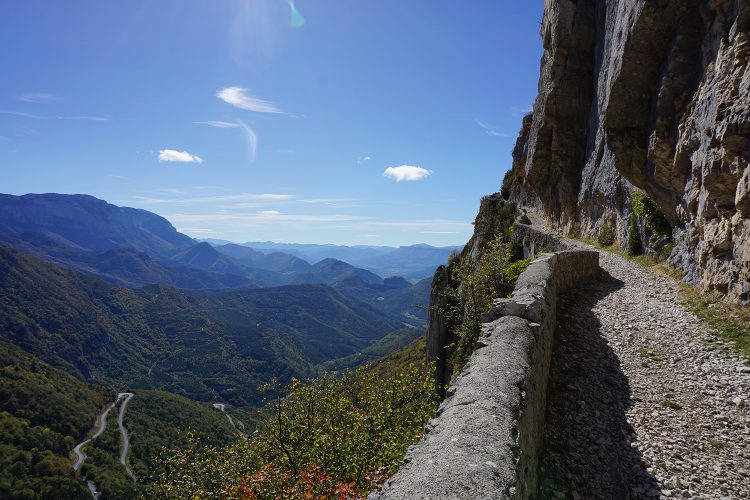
648,96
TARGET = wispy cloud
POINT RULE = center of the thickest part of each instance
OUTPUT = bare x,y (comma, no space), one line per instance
20,113
332,202
171,155
38,97
522,110
198,231
327,200
425,225
251,139
230,198
490,129
372,225
219,124
363,159
39,117
85,118
407,173
238,97
264,218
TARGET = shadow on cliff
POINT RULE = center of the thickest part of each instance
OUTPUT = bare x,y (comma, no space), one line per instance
587,452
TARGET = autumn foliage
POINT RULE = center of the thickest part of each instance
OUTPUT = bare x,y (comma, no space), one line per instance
336,437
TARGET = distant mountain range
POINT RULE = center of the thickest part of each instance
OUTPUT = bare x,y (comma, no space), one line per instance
96,299
413,262
135,248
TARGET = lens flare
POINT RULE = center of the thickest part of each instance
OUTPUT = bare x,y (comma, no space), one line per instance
297,19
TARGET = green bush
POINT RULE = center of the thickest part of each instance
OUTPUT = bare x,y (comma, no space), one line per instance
666,251
507,181
646,208
606,235
634,238
493,276
514,270
337,436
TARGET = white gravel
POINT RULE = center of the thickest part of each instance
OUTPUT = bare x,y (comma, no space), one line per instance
643,401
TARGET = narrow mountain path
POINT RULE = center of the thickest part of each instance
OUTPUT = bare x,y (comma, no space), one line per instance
125,444
643,401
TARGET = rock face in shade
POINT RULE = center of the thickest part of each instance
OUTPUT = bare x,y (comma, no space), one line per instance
647,94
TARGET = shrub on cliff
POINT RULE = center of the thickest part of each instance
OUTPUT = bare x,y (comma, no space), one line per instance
334,437
606,235
646,208
493,276
634,237
508,179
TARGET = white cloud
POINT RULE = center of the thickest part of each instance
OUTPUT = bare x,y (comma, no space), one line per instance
407,173
219,124
363,159
38,97
270,212
171,155
236,96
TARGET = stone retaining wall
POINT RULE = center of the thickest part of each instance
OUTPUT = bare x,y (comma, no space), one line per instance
533,239
486,439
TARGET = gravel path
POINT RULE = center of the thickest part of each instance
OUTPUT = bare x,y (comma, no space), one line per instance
643,401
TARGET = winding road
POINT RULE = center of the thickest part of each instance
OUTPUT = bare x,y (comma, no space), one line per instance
124,433
101,421
100,426
222,408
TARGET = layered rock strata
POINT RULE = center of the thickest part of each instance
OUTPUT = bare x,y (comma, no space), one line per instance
651,95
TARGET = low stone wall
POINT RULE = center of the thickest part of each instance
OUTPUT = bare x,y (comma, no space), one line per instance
533,239
486,439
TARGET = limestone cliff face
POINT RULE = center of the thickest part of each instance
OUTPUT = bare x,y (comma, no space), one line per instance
654,95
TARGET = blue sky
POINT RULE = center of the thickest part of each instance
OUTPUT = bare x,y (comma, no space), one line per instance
376,122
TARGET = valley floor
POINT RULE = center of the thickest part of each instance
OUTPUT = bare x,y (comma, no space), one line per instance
643,400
